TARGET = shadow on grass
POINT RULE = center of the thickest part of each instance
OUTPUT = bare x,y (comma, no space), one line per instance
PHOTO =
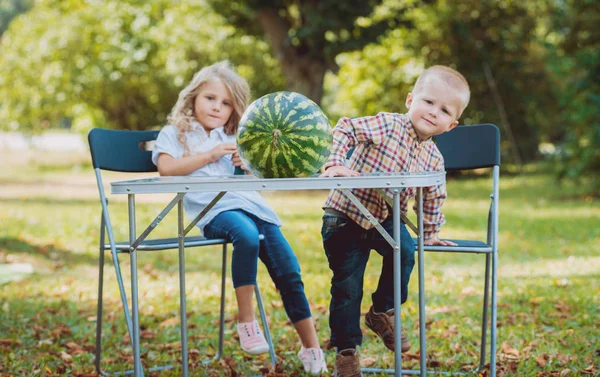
46,252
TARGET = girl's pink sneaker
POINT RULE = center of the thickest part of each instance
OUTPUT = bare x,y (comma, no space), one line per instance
252,339
313,360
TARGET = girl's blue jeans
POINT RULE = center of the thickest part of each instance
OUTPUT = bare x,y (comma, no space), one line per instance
243,229
348,246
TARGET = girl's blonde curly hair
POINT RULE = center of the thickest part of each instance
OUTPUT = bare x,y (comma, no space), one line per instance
182,115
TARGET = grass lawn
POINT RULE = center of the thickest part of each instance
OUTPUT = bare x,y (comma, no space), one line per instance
549,280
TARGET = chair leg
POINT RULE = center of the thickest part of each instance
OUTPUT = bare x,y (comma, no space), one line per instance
105,228
494,310
98,356
222,309
484,322
263,317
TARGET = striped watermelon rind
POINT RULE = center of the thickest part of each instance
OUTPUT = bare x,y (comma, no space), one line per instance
284,135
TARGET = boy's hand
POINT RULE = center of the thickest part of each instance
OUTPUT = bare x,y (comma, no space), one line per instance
434,241
339,171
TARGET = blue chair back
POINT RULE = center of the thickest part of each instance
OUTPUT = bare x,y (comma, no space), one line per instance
470,147
122,151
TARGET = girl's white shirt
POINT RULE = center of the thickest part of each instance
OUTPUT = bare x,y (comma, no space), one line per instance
198,142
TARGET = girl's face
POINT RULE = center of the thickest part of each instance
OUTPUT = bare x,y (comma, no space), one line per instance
213,105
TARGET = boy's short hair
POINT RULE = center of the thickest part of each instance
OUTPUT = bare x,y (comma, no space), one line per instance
451,77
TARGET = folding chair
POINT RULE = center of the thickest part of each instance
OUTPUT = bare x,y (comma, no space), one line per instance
467,148
124,151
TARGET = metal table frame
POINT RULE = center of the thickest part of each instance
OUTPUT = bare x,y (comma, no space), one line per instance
220,185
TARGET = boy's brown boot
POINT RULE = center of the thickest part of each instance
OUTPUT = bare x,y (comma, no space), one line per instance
347,364
383,325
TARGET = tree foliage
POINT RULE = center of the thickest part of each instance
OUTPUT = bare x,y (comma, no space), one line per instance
533,66
116,64
306,36
471,36
9,9
375,79
579,50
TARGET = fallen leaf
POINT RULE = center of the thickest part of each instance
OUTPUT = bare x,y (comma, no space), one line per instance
509,350
589,370
564,359
173,345
10,342
562,307
72,345
169,322
147,334
368,361
66,357
542,359
46,342
451,331
60,330
74,348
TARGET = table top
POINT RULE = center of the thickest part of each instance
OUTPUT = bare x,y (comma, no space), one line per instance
176,184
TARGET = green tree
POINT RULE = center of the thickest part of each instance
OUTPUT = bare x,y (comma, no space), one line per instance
306,36
117,64
495,44
374,79
9,9
576,25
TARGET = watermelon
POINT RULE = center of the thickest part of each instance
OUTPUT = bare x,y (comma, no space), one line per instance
284,135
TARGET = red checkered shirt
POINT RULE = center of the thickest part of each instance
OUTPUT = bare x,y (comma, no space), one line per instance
386,143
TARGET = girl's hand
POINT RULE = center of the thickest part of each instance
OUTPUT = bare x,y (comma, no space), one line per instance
221,150
237,161
339,171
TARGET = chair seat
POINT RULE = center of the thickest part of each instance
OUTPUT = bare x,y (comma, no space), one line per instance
464,246
169,243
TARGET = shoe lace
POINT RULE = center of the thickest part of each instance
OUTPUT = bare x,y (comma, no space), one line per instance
384,324
348,365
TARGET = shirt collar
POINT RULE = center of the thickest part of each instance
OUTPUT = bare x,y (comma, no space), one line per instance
411,131
196,126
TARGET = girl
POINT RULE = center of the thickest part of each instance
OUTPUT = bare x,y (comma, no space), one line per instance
200,141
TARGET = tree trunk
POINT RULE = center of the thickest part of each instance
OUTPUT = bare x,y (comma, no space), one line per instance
503,116
305,76
303,72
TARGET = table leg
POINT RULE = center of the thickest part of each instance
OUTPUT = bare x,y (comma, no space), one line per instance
182,297
135,345
421,256
397,284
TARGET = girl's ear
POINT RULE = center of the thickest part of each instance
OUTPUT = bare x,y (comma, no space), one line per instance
409,99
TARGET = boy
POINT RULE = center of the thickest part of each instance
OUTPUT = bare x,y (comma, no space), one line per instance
387,142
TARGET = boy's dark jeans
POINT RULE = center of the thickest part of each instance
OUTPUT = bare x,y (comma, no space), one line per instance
348,246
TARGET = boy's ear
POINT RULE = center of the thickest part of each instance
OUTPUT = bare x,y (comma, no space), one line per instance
409,99
454,124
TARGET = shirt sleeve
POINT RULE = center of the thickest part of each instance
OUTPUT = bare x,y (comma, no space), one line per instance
167,142
433,199
348,132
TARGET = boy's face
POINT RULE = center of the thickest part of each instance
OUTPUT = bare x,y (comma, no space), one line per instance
213,105
434,109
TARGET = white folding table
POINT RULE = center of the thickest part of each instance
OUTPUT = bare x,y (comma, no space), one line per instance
180,186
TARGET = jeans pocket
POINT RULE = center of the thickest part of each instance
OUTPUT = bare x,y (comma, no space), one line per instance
332,225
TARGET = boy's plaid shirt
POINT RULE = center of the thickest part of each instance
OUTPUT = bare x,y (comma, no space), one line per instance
386,143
